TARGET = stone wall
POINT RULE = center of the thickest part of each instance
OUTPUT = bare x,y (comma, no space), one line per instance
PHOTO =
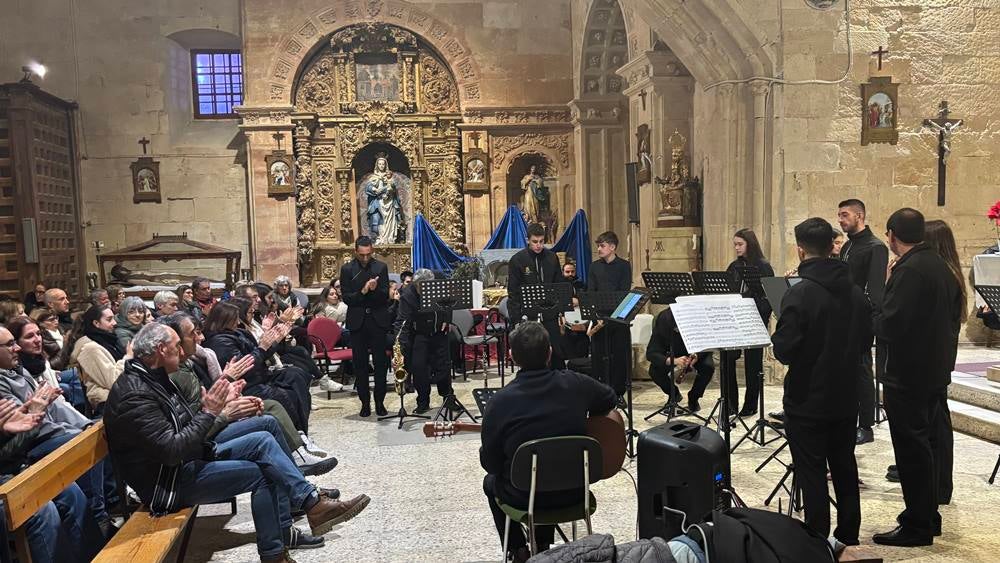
127,64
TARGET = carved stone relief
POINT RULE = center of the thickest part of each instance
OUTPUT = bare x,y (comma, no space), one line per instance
437,92
505,146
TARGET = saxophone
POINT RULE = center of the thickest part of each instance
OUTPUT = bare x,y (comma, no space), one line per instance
398,361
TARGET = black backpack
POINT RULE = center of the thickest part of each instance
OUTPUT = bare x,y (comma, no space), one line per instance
759,536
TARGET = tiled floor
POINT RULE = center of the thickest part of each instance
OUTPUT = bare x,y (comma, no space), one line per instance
427,501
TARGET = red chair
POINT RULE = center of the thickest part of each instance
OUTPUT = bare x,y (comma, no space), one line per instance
325,334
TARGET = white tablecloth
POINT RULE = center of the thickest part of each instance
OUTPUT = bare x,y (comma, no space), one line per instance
986,271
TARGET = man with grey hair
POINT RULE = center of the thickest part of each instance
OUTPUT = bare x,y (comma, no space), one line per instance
162,450
164,303
424,339
99,298
57,300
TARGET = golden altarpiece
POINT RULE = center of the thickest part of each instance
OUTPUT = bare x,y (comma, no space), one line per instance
373,91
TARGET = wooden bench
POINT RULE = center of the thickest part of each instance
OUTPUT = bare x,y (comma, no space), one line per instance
143,537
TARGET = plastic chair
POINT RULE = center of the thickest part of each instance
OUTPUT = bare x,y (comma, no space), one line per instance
464,320
562,463
324,334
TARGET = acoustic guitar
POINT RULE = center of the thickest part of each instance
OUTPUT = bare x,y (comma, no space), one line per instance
608,429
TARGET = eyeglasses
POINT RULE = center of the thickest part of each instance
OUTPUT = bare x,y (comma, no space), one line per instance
9,344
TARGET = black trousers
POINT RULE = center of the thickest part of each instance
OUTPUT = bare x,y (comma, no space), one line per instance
866,393
913,425
944,450
815,445
370,340
430,362
611,350
703,370
753,365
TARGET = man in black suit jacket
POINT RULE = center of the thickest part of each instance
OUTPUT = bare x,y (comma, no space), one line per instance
919,320
423,337
823,333
534,265
364,283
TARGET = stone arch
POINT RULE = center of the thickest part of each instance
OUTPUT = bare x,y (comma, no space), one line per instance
296,48
605,49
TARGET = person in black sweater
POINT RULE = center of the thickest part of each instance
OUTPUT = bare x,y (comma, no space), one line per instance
364,283
820,411
749,253
611,343
424,340
669,361
535,265
867,257
539,403
919,321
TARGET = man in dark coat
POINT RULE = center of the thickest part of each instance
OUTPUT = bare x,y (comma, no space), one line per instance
612,343
364,283
535,265
540,403
820,410
919,320
867,257
423,337
163,452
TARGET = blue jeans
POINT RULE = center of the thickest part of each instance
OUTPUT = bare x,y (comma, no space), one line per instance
69,382
263,423
91,482
61,530
252,463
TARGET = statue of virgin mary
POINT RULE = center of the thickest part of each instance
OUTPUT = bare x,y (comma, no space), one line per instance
385,216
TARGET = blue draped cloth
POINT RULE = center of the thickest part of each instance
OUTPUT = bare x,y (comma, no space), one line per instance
512,232
429,251
575,242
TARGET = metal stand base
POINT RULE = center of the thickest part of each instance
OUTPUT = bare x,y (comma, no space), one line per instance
402,415
453,409
756,433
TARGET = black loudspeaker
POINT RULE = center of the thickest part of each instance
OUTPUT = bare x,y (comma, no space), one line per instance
632,185
683,466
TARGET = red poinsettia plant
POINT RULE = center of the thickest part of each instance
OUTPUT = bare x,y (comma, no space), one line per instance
994,214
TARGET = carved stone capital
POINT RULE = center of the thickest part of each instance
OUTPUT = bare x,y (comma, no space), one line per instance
276,118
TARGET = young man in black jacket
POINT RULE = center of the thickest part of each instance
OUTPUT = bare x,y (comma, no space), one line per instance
611,343
423,336
867,257
540,403
535,265
364,283
820,400
919,320
162,450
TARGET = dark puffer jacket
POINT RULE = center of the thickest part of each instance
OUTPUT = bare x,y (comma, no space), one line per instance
234,344
601,548
152,433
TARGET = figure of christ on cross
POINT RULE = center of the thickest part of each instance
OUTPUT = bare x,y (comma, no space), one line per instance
945,128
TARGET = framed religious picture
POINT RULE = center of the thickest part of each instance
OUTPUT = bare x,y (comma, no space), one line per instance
145,180
879,111
476,172
644,172
280,173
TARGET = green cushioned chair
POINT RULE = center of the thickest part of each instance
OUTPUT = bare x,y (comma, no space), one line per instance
564,463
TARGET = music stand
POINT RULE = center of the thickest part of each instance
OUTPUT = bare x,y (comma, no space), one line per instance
991,295
624,314
447,295
666,287
713,283
546,299
596,306
748,279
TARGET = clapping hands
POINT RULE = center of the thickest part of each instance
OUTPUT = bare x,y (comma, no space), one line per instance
41,398
15,419
235,369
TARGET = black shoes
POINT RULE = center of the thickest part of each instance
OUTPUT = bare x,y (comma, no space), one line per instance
745,412
380,409
366,410
693,405
865,436
294,538
902,537
892,474
777,415
422,409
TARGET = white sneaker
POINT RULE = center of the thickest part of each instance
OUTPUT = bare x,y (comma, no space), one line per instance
303,458
311,446
327,384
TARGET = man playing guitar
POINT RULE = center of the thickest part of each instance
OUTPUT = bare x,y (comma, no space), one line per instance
539,403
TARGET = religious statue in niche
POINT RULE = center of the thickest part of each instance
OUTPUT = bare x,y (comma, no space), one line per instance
476,171
536,195
145,177
879,111
280,173
645,171
386,224
680,194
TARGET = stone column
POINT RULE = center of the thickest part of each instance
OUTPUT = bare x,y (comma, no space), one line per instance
599,130
661,95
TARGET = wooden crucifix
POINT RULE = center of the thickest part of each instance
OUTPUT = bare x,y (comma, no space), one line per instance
880,53
945,128
144,142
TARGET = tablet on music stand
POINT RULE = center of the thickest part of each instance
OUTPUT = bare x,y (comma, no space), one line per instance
598,305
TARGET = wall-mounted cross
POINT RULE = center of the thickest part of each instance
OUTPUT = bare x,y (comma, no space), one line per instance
880,53
642,94
144,141
945,128
278,137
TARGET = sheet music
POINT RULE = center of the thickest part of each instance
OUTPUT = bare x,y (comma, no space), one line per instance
713,322
477,294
